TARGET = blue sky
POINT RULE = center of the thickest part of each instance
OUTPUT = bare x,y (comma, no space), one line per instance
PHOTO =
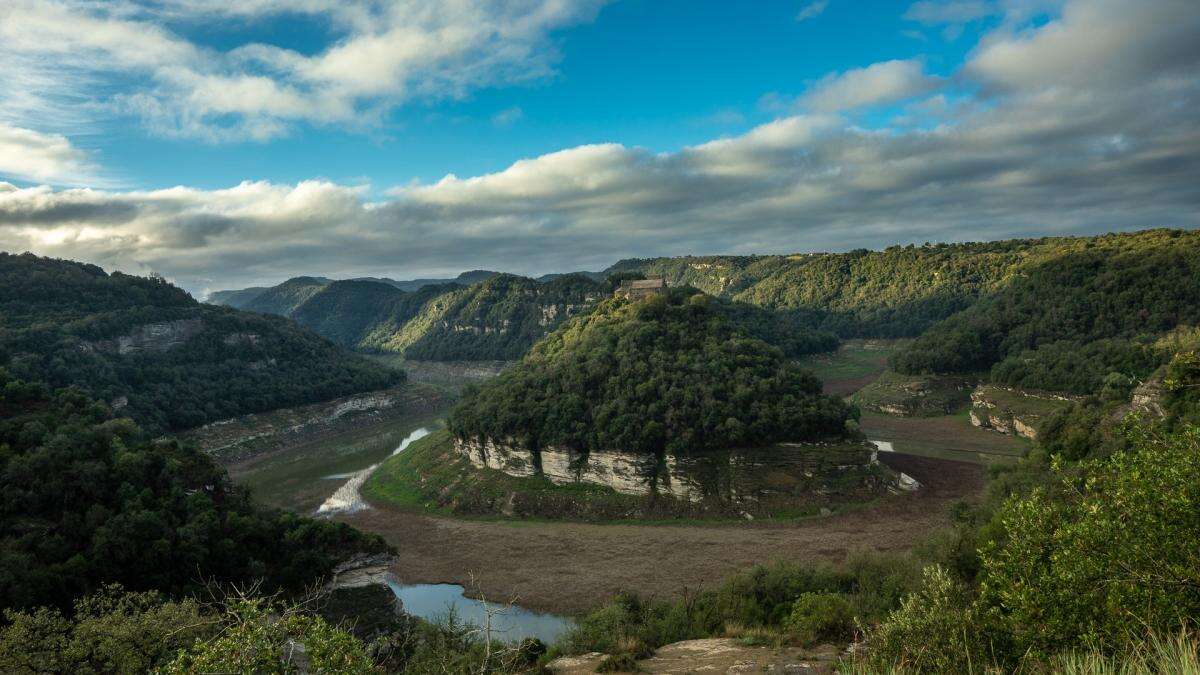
624,77
228,144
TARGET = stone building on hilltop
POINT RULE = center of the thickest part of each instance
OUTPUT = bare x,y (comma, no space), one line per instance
641,288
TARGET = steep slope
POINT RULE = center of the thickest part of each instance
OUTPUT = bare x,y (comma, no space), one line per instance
670,374
286,297
345,311
89,501
157,355
498,319
236,299
1091,309
898,292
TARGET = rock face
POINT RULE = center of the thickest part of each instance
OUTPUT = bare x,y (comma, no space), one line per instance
1014,411
1148,397
151,337
736,477
715,655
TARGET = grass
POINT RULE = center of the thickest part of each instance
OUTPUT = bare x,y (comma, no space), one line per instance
854,364
914,395
944,437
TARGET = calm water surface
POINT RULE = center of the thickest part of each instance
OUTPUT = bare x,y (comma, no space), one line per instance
511,624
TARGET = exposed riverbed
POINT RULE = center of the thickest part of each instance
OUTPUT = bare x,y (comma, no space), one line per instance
301,478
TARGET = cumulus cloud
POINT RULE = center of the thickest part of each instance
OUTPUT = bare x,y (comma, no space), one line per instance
385,54
883,82
1007,151
35,156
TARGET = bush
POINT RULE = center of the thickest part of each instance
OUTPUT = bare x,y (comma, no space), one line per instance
936,630
821,617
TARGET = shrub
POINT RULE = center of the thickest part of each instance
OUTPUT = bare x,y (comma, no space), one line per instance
821,617
937,630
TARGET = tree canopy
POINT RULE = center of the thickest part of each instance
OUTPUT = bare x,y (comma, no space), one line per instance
675,373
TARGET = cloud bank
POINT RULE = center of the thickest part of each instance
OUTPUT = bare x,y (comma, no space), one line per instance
59,54
1082,124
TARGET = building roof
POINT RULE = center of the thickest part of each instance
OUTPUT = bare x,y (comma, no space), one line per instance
644,283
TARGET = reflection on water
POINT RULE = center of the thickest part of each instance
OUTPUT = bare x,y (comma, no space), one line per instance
347,498
509,623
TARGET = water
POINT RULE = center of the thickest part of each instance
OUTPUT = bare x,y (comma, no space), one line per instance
509,623
348,498
302,477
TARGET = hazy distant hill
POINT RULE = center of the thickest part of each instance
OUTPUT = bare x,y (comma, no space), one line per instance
499,316
157,355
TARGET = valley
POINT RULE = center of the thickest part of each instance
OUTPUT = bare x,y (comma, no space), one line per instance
699,465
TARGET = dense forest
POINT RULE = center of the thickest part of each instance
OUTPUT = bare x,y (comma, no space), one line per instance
1068,322
157,355
674,373
89,500
496,317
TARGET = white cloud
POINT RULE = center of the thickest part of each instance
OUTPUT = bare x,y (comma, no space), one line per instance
386,54
812,10
1048,152
883,82
34,156
1094,42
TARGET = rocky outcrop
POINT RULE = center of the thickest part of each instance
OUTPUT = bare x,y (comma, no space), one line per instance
1014,411
1148,397
715,655
151,337
734,477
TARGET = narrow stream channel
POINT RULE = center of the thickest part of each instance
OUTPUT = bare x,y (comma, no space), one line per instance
348,498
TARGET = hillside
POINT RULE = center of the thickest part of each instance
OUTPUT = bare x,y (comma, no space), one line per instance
1092,309
496,317
88,501
236,298
155,354
667,374
286,297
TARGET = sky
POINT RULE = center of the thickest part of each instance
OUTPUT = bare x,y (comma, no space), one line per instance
228,144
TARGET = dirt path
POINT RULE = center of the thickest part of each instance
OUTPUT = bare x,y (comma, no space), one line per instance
570,568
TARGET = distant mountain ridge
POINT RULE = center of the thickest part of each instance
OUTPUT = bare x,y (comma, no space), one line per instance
496,317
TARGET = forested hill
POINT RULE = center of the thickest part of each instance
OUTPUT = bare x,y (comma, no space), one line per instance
286,297
498,318
898,292
155,354
676,373
88,501
1096,307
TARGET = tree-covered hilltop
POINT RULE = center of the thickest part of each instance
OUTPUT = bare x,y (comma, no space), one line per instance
1066,323
674,373
286,297
88,500
157,355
